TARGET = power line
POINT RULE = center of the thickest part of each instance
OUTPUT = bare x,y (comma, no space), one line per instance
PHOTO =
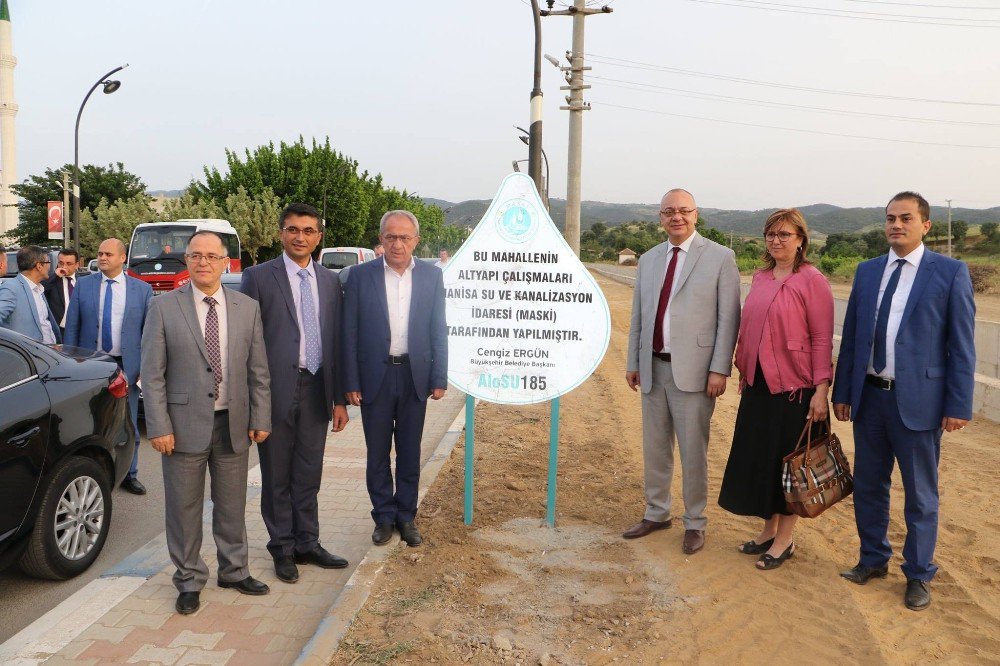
858,11
632,64
921,4
767,103
796,129
799,9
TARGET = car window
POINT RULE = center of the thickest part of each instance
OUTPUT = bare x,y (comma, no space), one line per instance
13,368
339,259
11,264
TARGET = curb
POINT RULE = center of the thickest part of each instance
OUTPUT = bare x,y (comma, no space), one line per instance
339,617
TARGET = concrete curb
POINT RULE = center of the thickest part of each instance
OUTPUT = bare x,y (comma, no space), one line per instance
339,617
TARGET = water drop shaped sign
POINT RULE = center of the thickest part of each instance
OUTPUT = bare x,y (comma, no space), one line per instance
526,321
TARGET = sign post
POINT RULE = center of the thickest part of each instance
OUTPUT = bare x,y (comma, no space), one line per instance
527,322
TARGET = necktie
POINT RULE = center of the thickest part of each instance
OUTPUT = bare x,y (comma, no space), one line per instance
661,308
882,319
212,341
69,287
309,319
106,318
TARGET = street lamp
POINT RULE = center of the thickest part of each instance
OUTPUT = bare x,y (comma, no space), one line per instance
545,184
109,87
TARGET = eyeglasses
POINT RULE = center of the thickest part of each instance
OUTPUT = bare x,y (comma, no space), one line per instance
197,258
308,232
781,236
45,261
392,239
670,212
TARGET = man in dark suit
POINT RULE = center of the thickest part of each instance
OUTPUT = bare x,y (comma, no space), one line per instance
205,385
300,304
59,288
395,357
906,371
107,313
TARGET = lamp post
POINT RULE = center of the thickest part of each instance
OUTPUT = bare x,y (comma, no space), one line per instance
109,87
543,190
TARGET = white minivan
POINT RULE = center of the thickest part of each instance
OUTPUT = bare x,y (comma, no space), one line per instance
337,258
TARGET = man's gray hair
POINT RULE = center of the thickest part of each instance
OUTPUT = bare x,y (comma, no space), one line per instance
30,255
402,213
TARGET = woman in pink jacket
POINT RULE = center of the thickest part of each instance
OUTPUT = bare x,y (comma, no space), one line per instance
784,356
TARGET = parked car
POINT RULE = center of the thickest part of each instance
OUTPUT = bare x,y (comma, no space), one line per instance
337,258
92,266
65,442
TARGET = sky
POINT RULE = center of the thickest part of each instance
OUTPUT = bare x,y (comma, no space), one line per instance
427,93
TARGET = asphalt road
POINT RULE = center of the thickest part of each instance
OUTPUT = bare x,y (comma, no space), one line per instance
135,520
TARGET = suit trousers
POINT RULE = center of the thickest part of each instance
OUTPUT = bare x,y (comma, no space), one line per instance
184,495
291,468
133,410
667,412
880,438
395,413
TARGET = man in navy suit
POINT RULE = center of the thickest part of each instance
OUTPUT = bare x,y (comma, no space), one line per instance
906,372
395,357
107,312
23,307
300,304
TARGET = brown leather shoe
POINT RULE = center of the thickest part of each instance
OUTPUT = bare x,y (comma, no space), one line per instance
694,540
645,528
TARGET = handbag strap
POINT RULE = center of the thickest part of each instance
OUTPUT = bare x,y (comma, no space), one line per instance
807,430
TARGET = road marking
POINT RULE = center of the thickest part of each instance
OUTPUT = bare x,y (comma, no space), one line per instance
53,631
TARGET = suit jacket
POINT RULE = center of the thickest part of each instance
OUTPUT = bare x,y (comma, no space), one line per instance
367,334
18,311
935,346
177,379
268,284
55,296
704,314
84,315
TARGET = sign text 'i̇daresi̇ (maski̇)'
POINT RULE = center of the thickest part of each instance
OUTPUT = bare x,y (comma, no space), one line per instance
526,321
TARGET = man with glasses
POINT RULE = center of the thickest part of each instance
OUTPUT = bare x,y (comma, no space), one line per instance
205,385
685,319
395,357
107,313
23,307
300,305
59,288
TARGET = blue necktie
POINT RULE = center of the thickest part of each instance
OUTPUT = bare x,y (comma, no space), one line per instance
313,351
106,319
882,319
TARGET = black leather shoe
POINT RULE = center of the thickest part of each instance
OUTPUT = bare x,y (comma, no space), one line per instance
382,534
248,585
133,486
321,557
285,569
408,531
918,594
861,574
188,602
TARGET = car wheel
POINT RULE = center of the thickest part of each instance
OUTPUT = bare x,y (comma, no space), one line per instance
73,521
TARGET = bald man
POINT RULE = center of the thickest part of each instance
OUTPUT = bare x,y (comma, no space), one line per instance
107,313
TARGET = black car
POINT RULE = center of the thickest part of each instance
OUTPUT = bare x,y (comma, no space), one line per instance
65,442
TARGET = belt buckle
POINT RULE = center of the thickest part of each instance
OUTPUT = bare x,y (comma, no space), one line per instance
889,384
396,360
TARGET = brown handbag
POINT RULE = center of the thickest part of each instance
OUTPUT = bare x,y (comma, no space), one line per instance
816,476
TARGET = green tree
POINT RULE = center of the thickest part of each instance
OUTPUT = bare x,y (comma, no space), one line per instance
254,218
112,182
112,220
989,230
959,230
938,231
189,207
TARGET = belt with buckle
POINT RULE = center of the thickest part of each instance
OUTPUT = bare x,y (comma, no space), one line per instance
662,356
879,382
402,359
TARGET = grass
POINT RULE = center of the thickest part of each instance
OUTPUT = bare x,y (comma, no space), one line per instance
367,654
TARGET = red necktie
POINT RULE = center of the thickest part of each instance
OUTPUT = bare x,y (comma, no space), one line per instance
661,308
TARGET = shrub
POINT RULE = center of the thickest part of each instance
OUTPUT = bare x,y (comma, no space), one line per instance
985,278
834,266
747,264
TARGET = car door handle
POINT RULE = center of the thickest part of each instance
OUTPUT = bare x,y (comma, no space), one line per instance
19,441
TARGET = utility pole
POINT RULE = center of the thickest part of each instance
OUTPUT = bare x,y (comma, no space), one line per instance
949,226
535,128
576,106
65,186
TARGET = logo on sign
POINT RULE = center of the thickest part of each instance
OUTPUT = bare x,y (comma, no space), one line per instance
515,221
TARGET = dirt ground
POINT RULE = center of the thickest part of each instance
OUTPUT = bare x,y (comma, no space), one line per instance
509,590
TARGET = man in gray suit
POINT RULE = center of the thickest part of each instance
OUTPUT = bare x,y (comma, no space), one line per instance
205,383
685,319
23,307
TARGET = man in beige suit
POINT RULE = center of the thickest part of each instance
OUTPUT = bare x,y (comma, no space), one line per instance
206,390
685,319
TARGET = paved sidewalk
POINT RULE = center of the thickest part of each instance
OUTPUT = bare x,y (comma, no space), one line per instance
142,627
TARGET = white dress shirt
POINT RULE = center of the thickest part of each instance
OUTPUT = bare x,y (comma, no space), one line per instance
117,312
903,287
398,289
201,307
684,247
64,281
42,310
294,282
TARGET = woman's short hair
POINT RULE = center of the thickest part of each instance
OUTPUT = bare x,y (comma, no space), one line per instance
792,217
